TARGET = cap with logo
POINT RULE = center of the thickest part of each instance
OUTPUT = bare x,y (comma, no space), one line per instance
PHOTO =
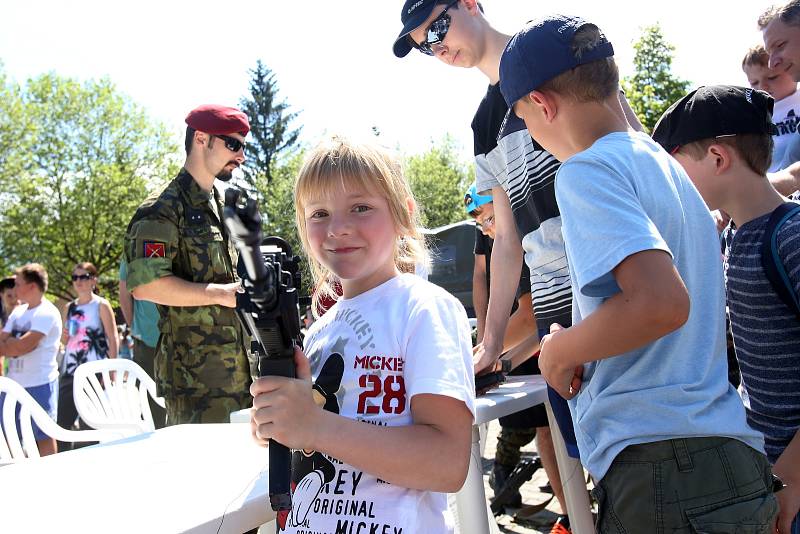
414,13
474,200
540,52
714,111
218,120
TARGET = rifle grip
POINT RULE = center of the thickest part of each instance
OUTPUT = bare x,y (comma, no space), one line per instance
280,456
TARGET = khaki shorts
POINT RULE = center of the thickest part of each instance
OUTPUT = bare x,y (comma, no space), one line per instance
690,485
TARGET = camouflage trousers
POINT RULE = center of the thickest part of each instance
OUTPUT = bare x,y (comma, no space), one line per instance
509,443
205,409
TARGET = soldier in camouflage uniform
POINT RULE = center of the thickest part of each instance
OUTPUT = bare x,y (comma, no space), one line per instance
180,256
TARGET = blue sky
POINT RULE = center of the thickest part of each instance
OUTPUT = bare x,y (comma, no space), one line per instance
332,59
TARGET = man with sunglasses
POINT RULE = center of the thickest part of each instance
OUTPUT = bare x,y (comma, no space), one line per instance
180,257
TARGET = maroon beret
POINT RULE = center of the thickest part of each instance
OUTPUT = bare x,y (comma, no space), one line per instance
218,120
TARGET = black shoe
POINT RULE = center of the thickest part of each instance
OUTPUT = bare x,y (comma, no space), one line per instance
506,483
498,478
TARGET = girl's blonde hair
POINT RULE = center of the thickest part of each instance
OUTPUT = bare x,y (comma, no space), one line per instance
339,163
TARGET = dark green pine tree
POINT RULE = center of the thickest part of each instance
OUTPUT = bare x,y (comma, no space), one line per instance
270,126
653,87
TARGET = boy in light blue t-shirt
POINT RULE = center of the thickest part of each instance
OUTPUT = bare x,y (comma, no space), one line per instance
644,364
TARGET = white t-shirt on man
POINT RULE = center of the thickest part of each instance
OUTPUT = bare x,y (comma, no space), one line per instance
369,356
39,365
786,117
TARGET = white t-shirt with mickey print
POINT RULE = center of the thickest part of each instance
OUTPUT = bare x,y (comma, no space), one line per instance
369,356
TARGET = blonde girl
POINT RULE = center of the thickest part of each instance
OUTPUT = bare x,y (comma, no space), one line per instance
381,411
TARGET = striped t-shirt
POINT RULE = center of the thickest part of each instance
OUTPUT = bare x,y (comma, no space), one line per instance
765,332
507,156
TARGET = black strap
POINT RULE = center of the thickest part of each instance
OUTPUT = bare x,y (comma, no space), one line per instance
771,261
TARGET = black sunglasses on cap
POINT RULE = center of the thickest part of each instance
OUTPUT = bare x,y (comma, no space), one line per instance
436,32
84,276
232,144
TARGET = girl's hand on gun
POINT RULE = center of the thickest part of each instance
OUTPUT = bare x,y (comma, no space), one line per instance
566,380
284,408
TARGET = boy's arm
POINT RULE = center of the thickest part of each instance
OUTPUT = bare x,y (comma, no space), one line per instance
788,469
20,346
652,302
786,181
521,323
480,294
126,302
630,115
506,266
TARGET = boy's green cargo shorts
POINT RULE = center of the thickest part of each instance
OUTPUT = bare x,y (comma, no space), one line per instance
690,485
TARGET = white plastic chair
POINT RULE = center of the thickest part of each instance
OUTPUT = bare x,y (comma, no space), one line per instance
113,392
15,447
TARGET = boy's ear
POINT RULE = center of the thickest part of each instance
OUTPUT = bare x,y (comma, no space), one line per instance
721,157
471,6
545,103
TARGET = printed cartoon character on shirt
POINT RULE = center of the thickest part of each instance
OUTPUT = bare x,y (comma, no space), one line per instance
311,470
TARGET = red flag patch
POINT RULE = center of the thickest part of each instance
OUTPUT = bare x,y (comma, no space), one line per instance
155,249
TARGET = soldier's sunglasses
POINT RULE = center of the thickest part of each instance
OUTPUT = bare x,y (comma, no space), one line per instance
437,31
85,276
232,144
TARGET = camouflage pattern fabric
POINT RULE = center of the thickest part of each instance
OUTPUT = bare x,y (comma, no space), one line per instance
196,410
201,350
509,443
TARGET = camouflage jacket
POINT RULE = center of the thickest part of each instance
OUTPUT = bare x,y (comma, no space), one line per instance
178,232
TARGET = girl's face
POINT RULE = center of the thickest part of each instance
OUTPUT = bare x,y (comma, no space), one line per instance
352,233
82,281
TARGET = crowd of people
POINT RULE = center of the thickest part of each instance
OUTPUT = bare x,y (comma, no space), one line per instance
41,349
603,273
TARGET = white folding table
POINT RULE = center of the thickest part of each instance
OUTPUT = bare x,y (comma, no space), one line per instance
213,479
185,478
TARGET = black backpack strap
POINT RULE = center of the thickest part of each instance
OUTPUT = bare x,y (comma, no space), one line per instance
771,261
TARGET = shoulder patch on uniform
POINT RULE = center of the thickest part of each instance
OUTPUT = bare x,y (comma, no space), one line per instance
155,249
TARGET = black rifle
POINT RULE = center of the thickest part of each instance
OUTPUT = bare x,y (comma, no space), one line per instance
268,311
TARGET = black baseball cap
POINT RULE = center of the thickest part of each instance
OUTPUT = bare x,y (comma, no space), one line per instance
714,111
414,13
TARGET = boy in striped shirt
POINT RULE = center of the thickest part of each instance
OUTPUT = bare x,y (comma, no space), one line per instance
722,136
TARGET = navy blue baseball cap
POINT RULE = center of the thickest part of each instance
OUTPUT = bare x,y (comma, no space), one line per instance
540,52
714,111
414,13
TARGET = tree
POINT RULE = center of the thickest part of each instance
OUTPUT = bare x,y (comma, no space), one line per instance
269,126
653,88
89,160
439,180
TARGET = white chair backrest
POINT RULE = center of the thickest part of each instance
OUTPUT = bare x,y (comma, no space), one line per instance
112,392
17,445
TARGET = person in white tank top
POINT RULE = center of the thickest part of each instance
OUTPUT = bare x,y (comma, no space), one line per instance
90,333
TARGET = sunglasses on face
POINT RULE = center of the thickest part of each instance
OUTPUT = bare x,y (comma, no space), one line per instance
86,276
436,32
232,144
